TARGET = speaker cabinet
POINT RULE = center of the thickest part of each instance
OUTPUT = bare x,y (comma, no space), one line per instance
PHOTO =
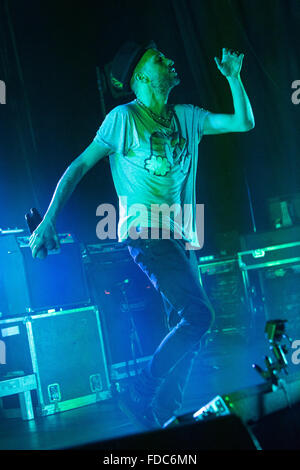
65,351
133,310
34,285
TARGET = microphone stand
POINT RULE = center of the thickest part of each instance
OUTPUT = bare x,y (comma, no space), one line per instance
101,88
250,202
135,343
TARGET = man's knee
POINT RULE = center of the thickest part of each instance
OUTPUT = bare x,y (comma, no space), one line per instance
199,315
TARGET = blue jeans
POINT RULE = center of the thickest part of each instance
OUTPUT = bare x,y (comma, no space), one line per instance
173,271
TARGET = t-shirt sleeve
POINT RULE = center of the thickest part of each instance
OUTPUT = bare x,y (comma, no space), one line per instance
114,132
192,118
200,114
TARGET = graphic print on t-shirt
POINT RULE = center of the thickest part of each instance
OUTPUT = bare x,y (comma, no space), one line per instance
166,151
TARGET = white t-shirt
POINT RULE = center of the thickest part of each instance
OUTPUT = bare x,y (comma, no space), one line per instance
153,165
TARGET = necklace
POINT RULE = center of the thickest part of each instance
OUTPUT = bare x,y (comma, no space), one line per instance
164,121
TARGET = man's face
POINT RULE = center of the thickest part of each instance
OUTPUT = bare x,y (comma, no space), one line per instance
159,70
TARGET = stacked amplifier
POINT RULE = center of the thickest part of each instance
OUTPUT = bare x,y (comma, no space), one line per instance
253,287
49,326
78,319
275,270
223,282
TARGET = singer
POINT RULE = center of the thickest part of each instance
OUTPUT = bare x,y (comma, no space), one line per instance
153,153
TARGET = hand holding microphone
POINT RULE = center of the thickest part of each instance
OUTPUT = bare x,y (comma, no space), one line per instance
43,234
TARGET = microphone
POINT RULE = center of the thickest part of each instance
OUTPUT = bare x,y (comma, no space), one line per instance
33,219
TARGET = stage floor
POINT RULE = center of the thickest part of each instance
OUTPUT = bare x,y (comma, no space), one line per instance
104,420
93,423
212,375
99,421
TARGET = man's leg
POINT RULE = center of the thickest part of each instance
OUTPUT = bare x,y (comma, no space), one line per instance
169,398
169,267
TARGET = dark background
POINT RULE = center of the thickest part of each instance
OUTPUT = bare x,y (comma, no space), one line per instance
48,56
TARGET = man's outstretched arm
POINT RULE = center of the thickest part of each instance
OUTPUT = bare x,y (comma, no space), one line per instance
242,120
45,234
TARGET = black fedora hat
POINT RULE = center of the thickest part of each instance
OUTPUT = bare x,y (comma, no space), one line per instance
125,61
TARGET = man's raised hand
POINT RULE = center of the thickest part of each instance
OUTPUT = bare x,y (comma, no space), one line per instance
231,63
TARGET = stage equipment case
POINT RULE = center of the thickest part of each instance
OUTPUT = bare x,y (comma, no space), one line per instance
65,351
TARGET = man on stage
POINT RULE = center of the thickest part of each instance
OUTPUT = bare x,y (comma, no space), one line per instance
153,153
